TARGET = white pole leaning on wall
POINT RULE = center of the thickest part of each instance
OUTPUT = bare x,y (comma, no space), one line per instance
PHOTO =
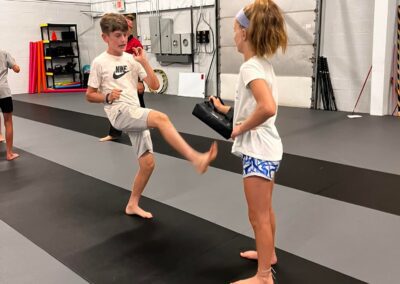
384,28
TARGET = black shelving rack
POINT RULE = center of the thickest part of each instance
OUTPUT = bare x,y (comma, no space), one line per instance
51,60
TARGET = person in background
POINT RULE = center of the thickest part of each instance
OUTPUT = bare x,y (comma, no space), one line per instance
6,104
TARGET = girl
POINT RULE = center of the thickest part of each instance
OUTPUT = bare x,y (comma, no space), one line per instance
259,31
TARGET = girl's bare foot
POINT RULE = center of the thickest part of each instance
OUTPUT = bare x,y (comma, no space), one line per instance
203,160
136,210
257,279
252,254
12,156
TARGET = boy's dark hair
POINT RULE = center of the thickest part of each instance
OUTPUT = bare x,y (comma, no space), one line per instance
112,22
130,17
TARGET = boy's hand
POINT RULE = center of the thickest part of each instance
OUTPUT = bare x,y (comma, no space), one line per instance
139,54
140,87
114,95
16,68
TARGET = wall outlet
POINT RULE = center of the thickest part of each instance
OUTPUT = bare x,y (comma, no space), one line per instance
203,36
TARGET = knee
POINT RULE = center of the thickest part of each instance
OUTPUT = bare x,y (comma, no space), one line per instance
162,119
258,220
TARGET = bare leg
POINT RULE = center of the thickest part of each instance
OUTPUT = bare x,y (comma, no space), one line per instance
200,161
9,136
252,254
146,167
1,136
258,195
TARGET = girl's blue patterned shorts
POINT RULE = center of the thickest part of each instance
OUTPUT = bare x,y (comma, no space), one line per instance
256,167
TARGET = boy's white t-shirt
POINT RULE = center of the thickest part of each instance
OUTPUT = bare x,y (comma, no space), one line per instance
262,142
110,72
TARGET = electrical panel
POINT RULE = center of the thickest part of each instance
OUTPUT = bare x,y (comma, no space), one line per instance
155,34
186,43
176,44
203,36
166,35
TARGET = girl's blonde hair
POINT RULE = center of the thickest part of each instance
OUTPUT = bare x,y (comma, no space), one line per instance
267,30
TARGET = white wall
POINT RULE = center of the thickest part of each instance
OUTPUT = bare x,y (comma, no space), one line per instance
347,38
20,24
181,19
347,44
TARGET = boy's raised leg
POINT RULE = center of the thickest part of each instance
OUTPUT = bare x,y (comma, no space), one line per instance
199,160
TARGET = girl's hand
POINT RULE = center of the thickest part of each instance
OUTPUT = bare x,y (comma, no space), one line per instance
236,131
139,55
216,102
218,105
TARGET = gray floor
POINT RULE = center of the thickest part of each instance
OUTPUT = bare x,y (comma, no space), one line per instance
368,142
22,262
341,236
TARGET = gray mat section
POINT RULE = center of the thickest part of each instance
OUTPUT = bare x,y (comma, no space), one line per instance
335,234
369,142
22,262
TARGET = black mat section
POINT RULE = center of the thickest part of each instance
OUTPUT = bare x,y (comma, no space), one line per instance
79,220
368,188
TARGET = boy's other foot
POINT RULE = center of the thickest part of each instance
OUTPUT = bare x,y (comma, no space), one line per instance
136,210
2,138
203,161
107,138
252,255
12,156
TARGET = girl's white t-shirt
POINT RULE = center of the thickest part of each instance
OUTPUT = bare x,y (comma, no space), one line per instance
263,142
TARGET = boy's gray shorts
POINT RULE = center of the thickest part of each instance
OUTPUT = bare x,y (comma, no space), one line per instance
141,142
133,121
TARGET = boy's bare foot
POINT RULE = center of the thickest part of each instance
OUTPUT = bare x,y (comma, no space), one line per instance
136,210
204,159
252,254
107,138
12,156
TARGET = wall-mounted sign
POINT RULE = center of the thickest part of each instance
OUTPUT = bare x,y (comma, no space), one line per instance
120,5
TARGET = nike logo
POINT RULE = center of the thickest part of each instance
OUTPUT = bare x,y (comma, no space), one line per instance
120,71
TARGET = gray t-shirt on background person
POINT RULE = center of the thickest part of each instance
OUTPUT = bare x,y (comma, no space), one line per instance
6,62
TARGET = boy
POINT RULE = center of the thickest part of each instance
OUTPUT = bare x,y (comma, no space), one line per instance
131,42
113,81
6,105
